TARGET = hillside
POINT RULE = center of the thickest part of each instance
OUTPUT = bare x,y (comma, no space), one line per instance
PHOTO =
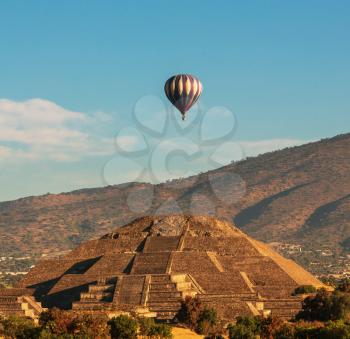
298,195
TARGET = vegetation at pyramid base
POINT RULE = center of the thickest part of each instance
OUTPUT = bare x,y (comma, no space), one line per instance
247,328
325,306
199,318
123,327
58,324
324,315
305,289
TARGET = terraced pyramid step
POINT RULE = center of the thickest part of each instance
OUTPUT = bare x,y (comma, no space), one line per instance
20,306
161,244
164,297
166,293
12,306
15,292
129,290
162,286
100,288
150,263
172,305
9,300
98,297
279,304
241,296
161,279
285,313
81,305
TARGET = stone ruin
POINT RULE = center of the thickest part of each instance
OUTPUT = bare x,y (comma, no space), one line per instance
150,265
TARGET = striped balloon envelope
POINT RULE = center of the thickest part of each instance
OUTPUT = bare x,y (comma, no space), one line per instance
183,90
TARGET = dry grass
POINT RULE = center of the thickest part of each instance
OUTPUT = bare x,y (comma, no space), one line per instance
185,333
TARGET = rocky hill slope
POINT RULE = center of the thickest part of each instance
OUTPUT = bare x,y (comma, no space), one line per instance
298,195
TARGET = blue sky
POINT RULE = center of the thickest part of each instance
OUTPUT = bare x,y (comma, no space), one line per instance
71,73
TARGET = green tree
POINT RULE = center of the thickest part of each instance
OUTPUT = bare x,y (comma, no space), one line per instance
56,323
344,286
305,289
334,330
325,306
245,328
329,330
145,324
19,327
123,327
88,326
240,331
259,327
286,331
190,311
268,327
206,321
160,331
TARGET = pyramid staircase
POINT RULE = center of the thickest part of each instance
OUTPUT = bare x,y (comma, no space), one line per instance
166,293
98,297
19,302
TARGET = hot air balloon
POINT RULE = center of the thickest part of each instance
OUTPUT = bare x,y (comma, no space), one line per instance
183,90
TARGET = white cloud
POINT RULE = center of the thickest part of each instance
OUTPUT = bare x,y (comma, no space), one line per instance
36,111
126,142
103,117
4,152
40,129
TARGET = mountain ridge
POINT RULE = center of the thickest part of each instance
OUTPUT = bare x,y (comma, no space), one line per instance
283,190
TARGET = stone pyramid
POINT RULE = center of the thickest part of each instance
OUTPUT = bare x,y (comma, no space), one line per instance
151,264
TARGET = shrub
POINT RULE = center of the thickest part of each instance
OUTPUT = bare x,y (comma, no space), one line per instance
123,327
190,311
206,321
18,327
148,328
344,286
88,326
286,331
255,327
329,330
57,323
325,306
196,317
252,327
305,289
240,331
268,327
145,324
245,328
334,330
161,331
